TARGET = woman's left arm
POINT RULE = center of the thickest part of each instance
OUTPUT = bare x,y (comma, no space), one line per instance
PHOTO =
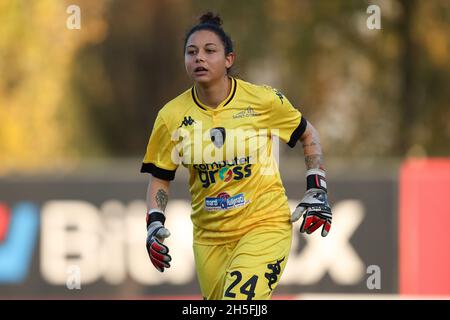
314,206
312,148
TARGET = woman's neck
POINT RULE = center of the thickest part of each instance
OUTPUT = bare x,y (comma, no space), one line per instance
213,94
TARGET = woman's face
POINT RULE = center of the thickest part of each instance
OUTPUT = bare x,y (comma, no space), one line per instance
204,57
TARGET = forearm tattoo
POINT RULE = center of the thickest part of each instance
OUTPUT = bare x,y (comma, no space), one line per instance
314,161
161,199
311,144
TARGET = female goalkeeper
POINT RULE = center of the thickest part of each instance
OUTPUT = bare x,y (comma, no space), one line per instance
241,220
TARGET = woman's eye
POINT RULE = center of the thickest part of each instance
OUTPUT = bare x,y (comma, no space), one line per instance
191,52
210,50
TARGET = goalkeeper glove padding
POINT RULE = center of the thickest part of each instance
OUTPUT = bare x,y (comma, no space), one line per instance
314,206
156,233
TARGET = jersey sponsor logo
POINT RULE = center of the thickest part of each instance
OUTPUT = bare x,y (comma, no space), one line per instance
234,170
187,121
272,277
249,112
224,201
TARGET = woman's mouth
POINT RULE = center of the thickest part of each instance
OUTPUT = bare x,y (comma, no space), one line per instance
200,70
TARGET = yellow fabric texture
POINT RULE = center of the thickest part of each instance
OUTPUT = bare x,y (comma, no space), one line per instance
234,180
248,269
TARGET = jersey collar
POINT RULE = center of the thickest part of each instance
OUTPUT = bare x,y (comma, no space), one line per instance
222,104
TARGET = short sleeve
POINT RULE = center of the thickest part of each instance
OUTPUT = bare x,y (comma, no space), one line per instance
158,157
286,121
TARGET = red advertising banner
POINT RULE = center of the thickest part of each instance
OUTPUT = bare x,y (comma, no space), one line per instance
424,227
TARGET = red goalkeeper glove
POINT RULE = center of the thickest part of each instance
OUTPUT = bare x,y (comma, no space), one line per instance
156,233
314,206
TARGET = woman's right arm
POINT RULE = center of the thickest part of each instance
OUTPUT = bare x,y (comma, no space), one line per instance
157,198
157,194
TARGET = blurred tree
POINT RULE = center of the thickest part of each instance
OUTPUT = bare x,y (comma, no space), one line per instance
123,81
425,98
140,65
36,53
95,92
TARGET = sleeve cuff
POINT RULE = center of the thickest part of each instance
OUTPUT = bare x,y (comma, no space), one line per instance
158,172
298,132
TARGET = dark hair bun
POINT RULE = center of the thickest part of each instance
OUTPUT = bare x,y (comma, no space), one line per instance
211,18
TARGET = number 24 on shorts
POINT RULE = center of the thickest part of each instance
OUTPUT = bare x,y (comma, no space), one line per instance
248,288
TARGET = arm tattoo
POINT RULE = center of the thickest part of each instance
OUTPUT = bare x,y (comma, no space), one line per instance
161,199
312,144
314,161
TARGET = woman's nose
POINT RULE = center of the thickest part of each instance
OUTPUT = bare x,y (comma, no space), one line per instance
199,57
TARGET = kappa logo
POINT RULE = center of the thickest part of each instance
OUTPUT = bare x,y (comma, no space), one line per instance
187,121
249,112
279,94
276,270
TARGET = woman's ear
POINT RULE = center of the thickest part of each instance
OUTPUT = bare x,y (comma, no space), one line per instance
229,60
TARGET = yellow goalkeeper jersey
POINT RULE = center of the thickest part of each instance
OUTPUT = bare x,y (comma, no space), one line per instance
230,152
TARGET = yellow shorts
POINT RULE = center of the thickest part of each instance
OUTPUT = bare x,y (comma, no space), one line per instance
248,269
